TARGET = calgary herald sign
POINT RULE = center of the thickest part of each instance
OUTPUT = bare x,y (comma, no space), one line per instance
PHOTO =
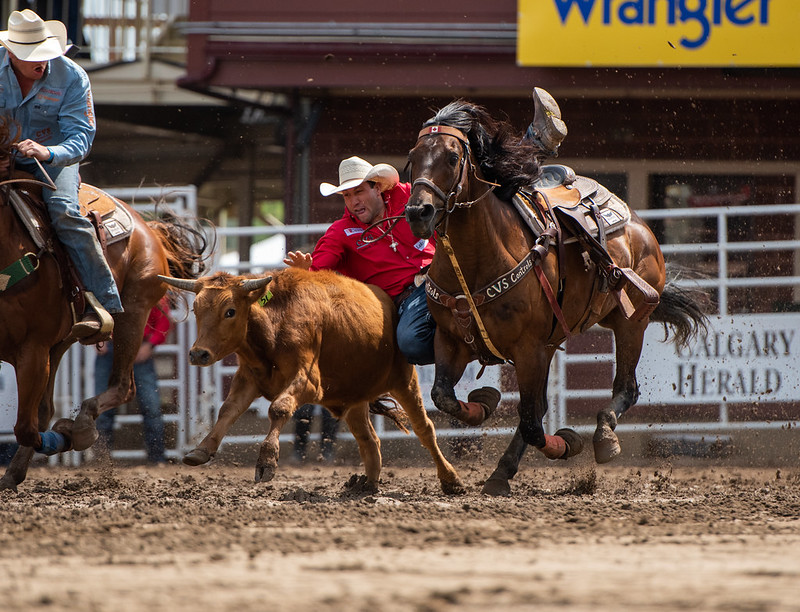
658,33
744,358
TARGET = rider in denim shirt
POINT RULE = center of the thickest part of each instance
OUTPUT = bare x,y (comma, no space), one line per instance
49,97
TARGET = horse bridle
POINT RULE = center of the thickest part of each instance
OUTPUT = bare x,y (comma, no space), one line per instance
456,188
455,191
465,166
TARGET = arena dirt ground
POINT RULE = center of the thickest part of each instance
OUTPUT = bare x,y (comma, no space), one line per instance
574,537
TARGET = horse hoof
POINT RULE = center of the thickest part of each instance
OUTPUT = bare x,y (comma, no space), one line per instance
84,433
496,488
197,456
8,484
574,442
455,487
606,446
487,397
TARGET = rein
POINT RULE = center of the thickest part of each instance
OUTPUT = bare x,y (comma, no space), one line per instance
370,240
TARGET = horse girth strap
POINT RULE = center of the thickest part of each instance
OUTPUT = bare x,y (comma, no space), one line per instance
22,268
495,289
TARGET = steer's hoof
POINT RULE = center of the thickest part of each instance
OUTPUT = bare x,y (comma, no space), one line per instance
359,484
198,456
265,472
455,487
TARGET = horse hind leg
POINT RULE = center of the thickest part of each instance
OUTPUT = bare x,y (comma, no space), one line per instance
628,336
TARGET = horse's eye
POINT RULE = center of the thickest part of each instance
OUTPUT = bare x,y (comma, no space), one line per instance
453,158
230,313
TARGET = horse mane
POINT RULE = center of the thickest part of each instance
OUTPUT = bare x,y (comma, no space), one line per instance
503,155
9,134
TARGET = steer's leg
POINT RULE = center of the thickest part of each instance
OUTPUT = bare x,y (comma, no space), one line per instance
243,392
369,446
410,399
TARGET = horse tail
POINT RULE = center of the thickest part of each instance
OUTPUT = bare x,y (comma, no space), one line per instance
683,310
187,246
386,406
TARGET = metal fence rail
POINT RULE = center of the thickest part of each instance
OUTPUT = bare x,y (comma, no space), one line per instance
200,390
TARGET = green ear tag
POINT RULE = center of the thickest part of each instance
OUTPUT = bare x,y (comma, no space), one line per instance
265,298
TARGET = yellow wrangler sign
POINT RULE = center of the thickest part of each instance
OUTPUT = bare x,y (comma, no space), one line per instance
659,33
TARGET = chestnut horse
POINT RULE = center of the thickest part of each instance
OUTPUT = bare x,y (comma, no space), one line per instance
37,320
465,167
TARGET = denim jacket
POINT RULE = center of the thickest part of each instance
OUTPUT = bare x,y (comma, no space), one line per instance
58,112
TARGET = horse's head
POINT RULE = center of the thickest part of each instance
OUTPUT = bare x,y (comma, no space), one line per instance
440,166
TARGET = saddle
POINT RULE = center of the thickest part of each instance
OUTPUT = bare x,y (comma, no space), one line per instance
588,213
112,223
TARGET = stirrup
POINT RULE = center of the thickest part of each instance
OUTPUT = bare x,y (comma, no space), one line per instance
620,279
104,318
106,322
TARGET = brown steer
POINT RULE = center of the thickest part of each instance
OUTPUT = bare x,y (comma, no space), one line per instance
306,337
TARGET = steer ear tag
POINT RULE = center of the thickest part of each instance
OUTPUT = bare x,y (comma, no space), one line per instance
265,298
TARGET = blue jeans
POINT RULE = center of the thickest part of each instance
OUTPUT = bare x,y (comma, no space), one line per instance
416,328
302,427
77,233
144,375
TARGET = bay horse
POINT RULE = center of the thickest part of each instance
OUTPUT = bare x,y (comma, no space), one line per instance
465,168
37,317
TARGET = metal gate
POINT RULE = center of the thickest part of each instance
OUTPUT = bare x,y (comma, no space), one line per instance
198,393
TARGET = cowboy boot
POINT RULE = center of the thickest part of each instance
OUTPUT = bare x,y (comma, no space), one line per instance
547,129
95,325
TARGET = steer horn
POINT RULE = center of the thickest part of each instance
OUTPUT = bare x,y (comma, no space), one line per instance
256,283
186,284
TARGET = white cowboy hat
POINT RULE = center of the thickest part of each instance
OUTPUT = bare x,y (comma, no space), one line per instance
353,171
34,40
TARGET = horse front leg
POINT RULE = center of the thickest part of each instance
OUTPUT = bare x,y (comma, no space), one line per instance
532,375
32,371
628,337
498,483
128,332
452,358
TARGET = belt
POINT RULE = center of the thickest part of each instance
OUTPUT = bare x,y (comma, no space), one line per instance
404,295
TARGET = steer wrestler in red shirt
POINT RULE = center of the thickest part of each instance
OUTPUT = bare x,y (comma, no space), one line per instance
397,262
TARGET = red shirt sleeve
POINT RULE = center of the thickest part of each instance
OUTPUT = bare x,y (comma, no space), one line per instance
158,324
329,252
